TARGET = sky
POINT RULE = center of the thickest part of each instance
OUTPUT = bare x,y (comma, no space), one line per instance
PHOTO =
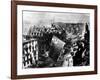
31,18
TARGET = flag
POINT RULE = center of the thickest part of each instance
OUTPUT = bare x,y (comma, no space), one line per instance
59,44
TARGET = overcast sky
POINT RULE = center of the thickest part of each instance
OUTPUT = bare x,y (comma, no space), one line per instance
46,18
